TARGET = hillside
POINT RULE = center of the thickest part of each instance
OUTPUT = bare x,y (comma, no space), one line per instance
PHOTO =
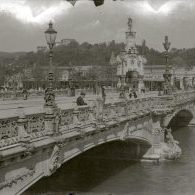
85,54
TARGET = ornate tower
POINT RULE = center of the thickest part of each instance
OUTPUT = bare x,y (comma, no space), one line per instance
130,39
130,63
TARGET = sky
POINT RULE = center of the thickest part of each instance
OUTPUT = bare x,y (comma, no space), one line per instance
23,22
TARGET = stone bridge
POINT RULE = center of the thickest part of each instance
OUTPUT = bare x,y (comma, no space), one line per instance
36,145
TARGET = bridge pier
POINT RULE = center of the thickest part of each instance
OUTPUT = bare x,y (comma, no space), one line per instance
154,153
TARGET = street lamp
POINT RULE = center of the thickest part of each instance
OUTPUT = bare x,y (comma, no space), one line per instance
167,74
50,35
122,77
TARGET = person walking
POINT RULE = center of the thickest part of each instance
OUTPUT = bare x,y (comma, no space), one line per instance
103,94
134,95
94,89
25,94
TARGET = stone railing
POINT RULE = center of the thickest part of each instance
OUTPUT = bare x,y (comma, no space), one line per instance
15,130
25,128
9,131
19,95
182,97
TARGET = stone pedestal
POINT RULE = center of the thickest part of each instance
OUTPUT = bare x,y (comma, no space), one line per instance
49,120
167,85
22,125
141,86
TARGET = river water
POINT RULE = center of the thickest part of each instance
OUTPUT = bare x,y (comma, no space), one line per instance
109,176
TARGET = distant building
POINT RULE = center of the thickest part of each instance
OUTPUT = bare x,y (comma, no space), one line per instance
14,81
65,42
181,76
28,73
83,70
41,49
63,73
113,60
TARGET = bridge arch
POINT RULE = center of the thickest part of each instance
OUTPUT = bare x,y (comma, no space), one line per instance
180,118
95,144
132,148
116,149
61,153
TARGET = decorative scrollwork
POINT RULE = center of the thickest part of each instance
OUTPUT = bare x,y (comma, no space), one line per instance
15,179
66,117
83,115
8,128
157,131
35,125
9,141
124,133
55,162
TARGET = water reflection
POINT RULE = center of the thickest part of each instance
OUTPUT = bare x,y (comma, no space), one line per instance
98,174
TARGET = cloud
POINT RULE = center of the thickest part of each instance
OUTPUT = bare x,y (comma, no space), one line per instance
41,11
85,22
30,12
151,8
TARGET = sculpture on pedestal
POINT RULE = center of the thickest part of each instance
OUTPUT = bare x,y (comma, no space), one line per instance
170,149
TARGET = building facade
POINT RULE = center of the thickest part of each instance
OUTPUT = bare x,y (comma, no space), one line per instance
182,77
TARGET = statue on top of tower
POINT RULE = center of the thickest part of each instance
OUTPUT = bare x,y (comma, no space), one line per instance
130,23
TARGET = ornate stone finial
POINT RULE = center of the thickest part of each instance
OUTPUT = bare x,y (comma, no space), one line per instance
167,44
130,23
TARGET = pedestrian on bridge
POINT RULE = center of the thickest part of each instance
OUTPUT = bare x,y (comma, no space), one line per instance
103,93
25,94
134,95
80,100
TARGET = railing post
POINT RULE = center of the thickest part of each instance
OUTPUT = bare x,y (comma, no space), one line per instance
91,115
113,111
57,121
49,120
75,117
99,109
22,125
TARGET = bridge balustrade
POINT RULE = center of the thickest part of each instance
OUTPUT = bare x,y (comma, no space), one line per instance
15,130
182,97
35,125
67,120
8,132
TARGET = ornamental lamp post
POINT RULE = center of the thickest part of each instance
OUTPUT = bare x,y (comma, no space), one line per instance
167,74
50,35
122,88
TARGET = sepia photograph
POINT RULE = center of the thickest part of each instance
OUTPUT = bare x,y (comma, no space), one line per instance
97,97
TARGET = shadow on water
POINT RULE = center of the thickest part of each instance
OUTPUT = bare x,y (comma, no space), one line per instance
90,169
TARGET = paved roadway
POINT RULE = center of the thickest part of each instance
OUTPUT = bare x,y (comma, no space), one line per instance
10,108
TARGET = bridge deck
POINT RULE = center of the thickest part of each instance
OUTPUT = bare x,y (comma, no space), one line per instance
9,108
